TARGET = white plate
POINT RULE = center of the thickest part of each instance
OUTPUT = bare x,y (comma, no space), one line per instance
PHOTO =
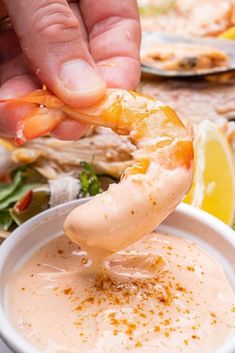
3,348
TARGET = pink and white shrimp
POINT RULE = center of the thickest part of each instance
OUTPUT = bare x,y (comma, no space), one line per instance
149,190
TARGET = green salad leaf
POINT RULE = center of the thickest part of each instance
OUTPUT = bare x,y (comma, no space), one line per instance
16,195
5,220
89,181
28,194
23,179
31,205
6,189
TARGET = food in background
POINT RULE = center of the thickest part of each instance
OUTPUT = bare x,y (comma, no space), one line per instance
196,100
27,192
62,170
184,57
229,34
155,7
108,153
192,17
213,187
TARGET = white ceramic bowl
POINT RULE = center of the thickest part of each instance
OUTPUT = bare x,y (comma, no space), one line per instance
186,221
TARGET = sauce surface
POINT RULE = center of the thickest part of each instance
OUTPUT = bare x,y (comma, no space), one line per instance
161,294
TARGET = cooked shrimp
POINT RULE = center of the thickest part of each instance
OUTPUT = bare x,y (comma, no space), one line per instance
149,190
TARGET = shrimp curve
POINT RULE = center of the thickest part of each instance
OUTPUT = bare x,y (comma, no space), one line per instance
149,190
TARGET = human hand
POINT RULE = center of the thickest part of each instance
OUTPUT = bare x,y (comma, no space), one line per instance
76,48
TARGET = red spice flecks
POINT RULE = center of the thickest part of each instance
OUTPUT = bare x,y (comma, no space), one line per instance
115,332
68,291
195,337
157,329
138,344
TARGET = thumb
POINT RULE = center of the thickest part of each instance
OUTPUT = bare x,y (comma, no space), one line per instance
51,39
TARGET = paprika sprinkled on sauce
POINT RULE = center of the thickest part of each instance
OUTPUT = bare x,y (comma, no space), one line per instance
161,294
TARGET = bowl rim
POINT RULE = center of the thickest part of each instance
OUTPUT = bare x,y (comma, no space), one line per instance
9,335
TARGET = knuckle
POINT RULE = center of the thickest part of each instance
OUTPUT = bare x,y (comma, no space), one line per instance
55,22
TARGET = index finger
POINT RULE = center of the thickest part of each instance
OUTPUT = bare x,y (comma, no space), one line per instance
114,39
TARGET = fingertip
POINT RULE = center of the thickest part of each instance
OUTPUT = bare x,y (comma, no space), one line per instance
69,130
79,84
18,86
120,72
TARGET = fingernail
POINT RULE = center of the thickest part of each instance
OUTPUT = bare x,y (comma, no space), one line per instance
78,75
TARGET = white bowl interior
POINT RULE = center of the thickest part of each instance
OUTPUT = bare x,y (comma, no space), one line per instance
187,222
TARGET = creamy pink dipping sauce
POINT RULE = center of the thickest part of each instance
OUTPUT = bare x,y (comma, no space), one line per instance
176,300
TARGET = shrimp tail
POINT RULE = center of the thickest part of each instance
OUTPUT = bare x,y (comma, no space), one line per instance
39,97
37,123
41,120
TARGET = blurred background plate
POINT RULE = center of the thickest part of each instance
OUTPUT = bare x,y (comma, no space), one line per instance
151,39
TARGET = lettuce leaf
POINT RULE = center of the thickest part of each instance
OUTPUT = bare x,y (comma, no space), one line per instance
6,189
16,195
23,179
89,181
5,220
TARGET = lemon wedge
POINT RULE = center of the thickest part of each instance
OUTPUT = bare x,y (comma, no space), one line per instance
229,34
213,188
